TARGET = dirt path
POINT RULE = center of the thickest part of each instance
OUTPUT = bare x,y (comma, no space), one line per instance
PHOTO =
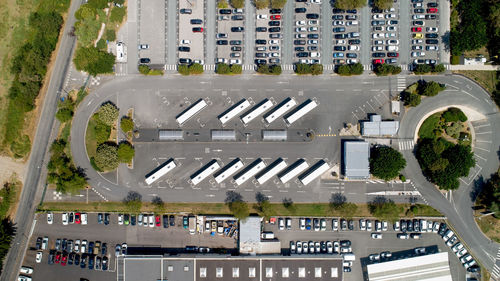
9,166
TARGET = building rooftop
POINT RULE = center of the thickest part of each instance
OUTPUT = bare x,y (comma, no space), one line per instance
377,127
433,267
356,159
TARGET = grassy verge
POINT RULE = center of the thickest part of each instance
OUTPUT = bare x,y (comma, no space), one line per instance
90,137
490,227
487,79
309,209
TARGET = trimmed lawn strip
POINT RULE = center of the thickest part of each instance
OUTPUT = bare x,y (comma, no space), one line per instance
487,79
490,227
90,137
302,209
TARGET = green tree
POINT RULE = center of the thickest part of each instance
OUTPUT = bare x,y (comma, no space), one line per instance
263,69
125,152
302,68
108,113
106,157
145,69
238,4
117,14
383,4
126,124
386,162
275,70
411,99
238,207
222,68
101,45
316,69
430,88
102,132
93,60
133,202
349,4
64,114
236,69
7,233
356,69
344,70
264,207
158,204
196,68
439,165
384,209
261,4
110,35
439,68
422,69
289,205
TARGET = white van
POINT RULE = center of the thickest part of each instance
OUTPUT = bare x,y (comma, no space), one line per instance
267,235
392,48
423,225
448,235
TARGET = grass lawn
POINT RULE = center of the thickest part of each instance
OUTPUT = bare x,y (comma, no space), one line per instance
311,209
427,128
472,54
490,227
487,79
90,138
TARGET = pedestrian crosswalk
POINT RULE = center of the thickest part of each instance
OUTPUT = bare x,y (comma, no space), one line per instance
496,271
209,67
287,67
401,83
375,181
406,144
170,67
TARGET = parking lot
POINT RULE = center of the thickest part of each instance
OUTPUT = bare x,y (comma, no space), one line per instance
230,34
425,32
268,36
346,35
152,40
191,42
135,236
362,245
385,35
307,40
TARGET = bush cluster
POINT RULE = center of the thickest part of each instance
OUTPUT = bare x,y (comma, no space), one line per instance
226,69
412,94
269,69
385,69
349,4
314,69
194,68
350,69
146,70
427,68
62,171
386,162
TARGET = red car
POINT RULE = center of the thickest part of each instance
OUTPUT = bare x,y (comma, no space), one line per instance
58,257
197,29
64,260
432,10
416,29
393,55
157,219
275,17
77,218
378,61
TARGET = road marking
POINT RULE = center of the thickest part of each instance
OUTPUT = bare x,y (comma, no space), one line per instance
480,157
482,133
481,148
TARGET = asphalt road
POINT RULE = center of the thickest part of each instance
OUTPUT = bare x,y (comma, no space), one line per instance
34,182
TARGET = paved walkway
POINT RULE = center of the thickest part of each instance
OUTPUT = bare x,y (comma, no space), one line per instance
475,67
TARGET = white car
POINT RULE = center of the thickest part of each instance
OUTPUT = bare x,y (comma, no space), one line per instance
392,42
302,223
431,29
315,55
143,46
338,23
418,17
377,48
45,243
353,48
417,47
385,225
390,35
139,219
120,219
431,48
84,218
38,258
378,42
336,247
300,23
26,270
262,17
378,35
24,278
368,225
351,61
335,224
397,226
340,42
64,218
281,224
50,218
352,22
403,236
83,248
461,252
459,246
436,226
362,224
378,16
151,221
466,258
77,245
300,35
185,42
392,28
312,22
292,247
275,55
329,247
312,29
390,16
377,235
300,29
274,42
417,54
299,247
417,41
316,1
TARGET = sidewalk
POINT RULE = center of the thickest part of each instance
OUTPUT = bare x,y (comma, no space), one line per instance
475,67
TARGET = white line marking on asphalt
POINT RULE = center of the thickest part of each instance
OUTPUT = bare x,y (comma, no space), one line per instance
482,133
481,148
480,157
470,95
483,141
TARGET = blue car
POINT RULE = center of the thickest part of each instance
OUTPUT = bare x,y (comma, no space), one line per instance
308,224
338,55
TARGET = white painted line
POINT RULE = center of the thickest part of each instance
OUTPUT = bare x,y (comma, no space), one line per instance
481,148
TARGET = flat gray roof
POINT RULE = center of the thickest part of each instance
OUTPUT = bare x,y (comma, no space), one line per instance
356,159
377,127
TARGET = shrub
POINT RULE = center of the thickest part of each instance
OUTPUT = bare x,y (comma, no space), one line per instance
101,44
126,124
455,59
439,68
108,113
102,132
422,69
349,4
110,35
278,4
236,69
454,130
117,14
222,68
183,69
430,88
269,69
106,157
261,4
316,69
64,114
383,4
196,68
238,4
222,4
384,209
125,152
21,147
263,69
349,69
93,60
302,68
454,114
411,99
385,69
144,69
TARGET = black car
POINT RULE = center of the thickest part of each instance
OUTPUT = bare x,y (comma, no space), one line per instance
393,22
299,42
418,22
71,217
323,246
165,221
300,10
52,254
312,16
312,48
133,219
196,21
71,258
39,243
261,29
99,218
236,49
354,42
340,36
337,11
237,17
345,243
235,42
104,263
347,269
237,29
90,248
419,11
274,23
104,249
339,29
64,244
77,259
275,11
260,42
416,225
442,229
302,54
98,263
83,261
351,224
474,268
221,42
351,55
197,29
409,225
106,219
353,11
225,11
186,11
431,35
343,224
377,22
260,55
182,49
91,262
430,17
301,1
351,17
313,36
378,55
145,60
432,5
185,61
431,41
337,17
172,220
275,29
275,35
403,225
258,61
299,49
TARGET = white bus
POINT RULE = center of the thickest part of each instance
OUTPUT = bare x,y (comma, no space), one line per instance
204,172
228,170
160,171
300,111
250,171
279,110
315,171
233,111
291,172
191,111
272,170
256,111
